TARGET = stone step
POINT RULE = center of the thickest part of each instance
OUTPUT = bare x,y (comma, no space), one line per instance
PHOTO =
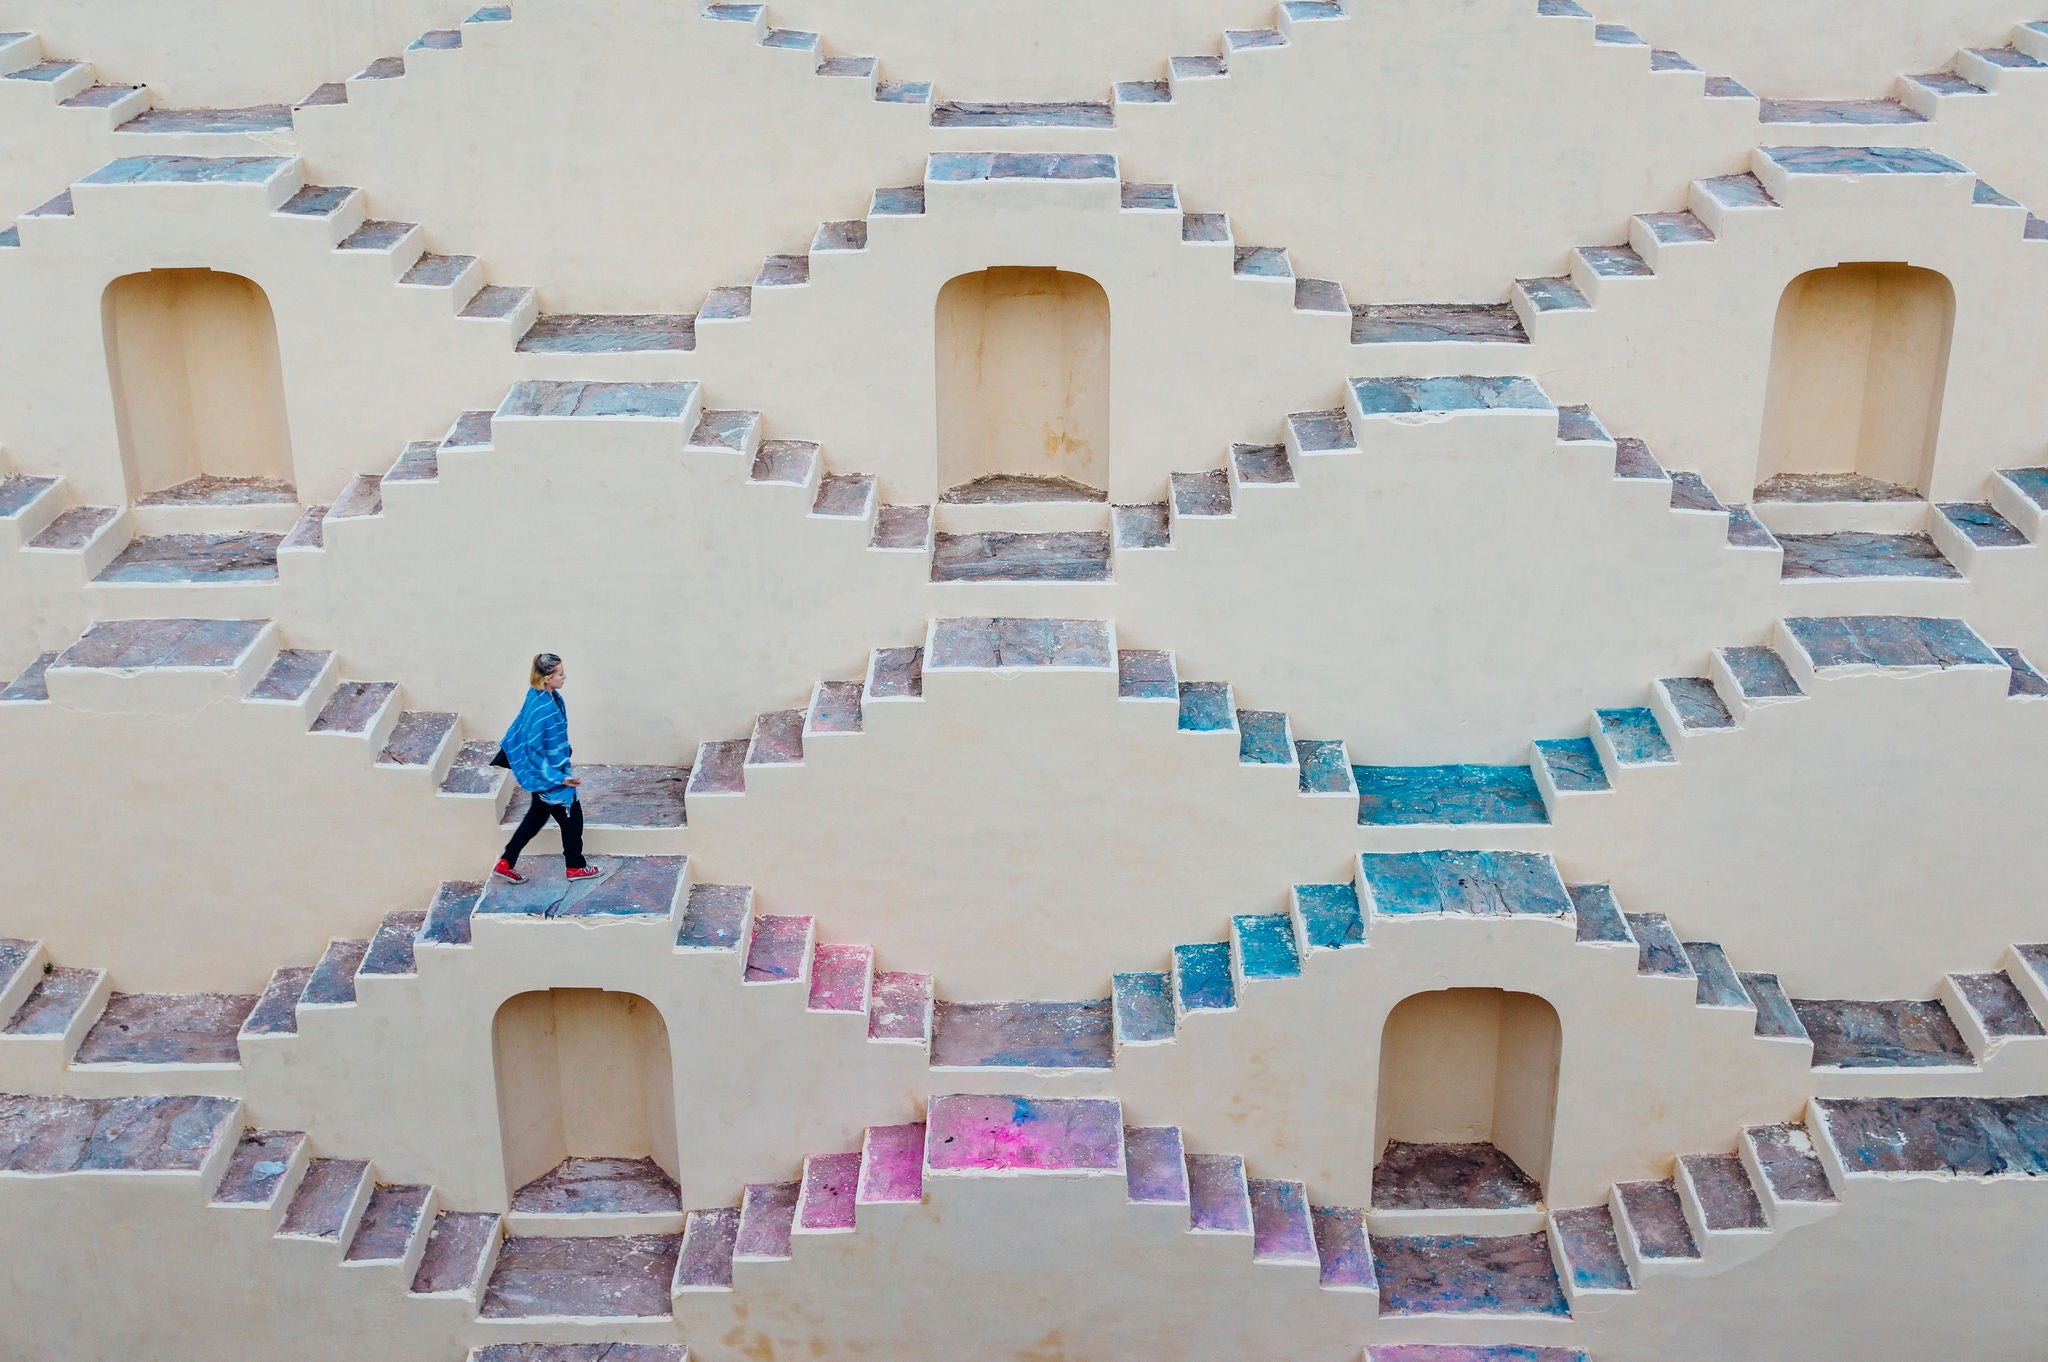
767,1214
48,1136
1023,1035
264,1165
1658,949
1283,1232
600,1186
609,1277
828,1195
1219,1195
460,1251
1599,915
901,1009
390,1222
1888,1034
1448,796
333,981
623,796
1963,1137
167,1028
1721,1194
1790,1170
1590,1250
328,1202
1011,556
628,887
1494,1275
841,977
778,949
1463,884
972,1134
1652,1222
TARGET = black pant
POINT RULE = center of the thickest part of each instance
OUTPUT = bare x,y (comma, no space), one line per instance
538,811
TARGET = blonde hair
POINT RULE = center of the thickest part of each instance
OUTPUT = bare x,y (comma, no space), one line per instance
544,666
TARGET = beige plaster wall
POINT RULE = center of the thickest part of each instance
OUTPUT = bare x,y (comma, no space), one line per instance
1024,377
192,362
227,53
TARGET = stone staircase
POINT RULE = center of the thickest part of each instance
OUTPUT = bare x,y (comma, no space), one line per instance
1566,772
246,660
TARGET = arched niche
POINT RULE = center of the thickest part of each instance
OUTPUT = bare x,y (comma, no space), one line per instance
1859,360
198,388
1467,1101
1023,386
586,1103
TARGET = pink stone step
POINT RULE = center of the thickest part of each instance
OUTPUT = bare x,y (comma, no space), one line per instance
892,1164
901,1009
767,1211
1343,1249
987,1133
705,1263
1281,1229
1219,1200
835,708
167,1028
1155,1166
720,769
777,949
616,1277
778,739
830,1186
839,977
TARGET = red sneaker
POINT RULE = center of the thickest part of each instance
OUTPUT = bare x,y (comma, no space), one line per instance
584,872
504,871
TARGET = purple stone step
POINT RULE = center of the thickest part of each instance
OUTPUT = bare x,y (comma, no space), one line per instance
1790,1165
1282,1231
896,674
902,528
767,1212
777,949
52,1135
1656,1220
257,1168
291,676
720,768
1146,674
391,950
596,1186
704,1262
646,796
1439,1177
1219,1200
389,1222
334,979
715,917
581,1352
1203,494
1658,950
1467,1275
277,1011
33,685
1155,1166
1726,1198
1958,1137
839,977
1900,1033
416,738
1998,1003
835,707
974,1133
327,1193
778,739
618,1277
354,707
1592,1252
892,1164
167,1028
901,1009
54,1003
1010,556
1023,1035
830,1185
1343,1250
457,1248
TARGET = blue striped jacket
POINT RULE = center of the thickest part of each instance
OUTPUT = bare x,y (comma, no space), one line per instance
537,747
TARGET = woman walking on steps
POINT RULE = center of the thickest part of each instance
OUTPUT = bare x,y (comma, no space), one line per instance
536,747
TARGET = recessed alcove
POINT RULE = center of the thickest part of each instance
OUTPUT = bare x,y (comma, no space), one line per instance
1859,361
586,1104
1023,387
1467,1102
198,388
